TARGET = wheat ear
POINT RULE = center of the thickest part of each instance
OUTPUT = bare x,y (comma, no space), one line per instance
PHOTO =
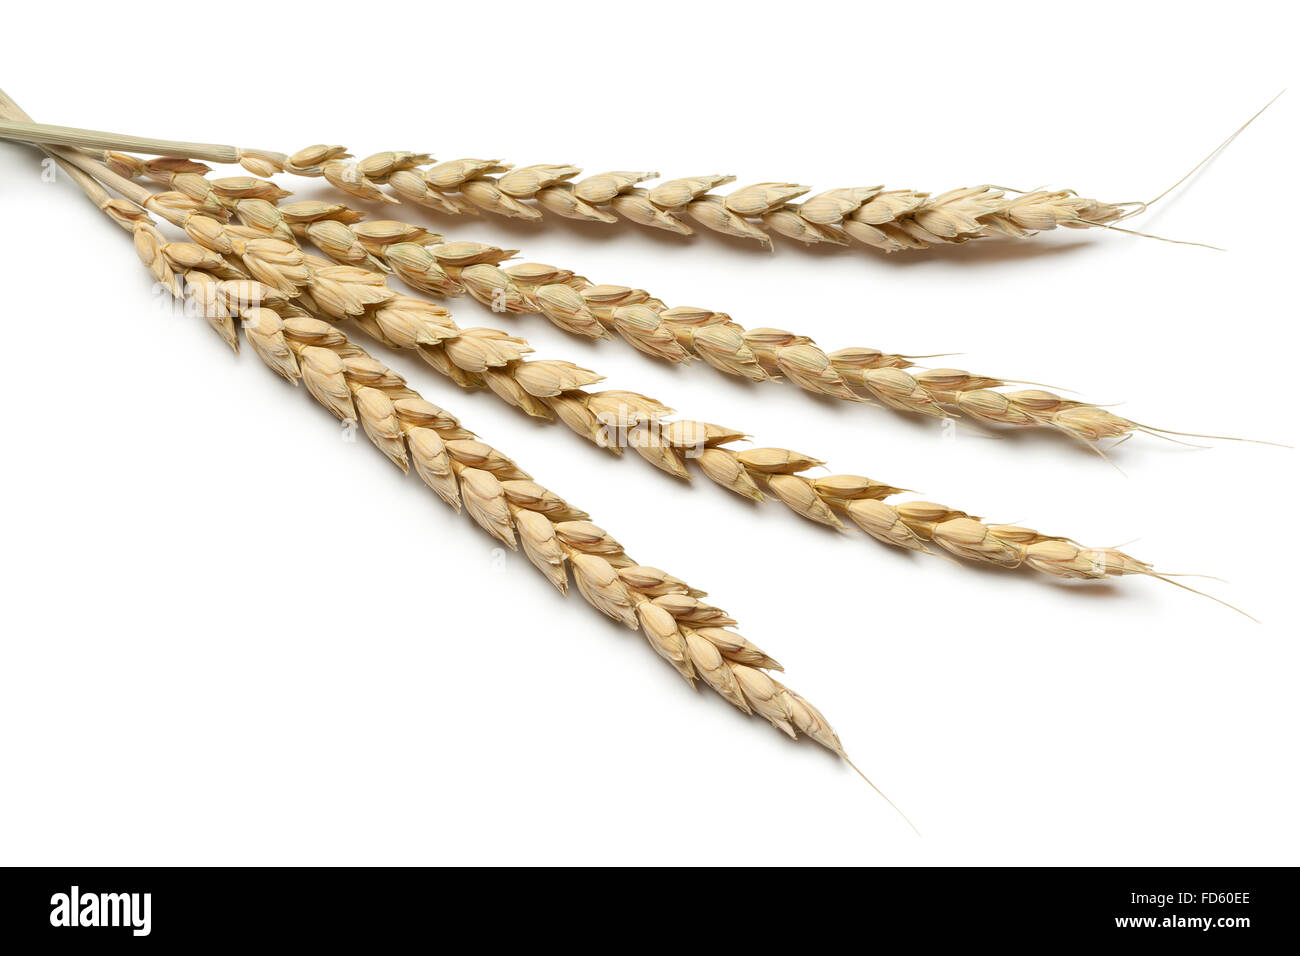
891,220
485,356
679,334
693,636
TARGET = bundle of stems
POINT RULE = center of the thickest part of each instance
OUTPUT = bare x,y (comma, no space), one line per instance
892,220
464,471
246,266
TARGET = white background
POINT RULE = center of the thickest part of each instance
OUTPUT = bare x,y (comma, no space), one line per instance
230,637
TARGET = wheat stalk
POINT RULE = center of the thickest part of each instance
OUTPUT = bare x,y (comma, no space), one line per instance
694,637
891,220
555,389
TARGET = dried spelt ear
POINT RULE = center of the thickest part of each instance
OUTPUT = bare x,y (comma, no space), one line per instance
889,220
437,266
499,496
488,357
892,220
